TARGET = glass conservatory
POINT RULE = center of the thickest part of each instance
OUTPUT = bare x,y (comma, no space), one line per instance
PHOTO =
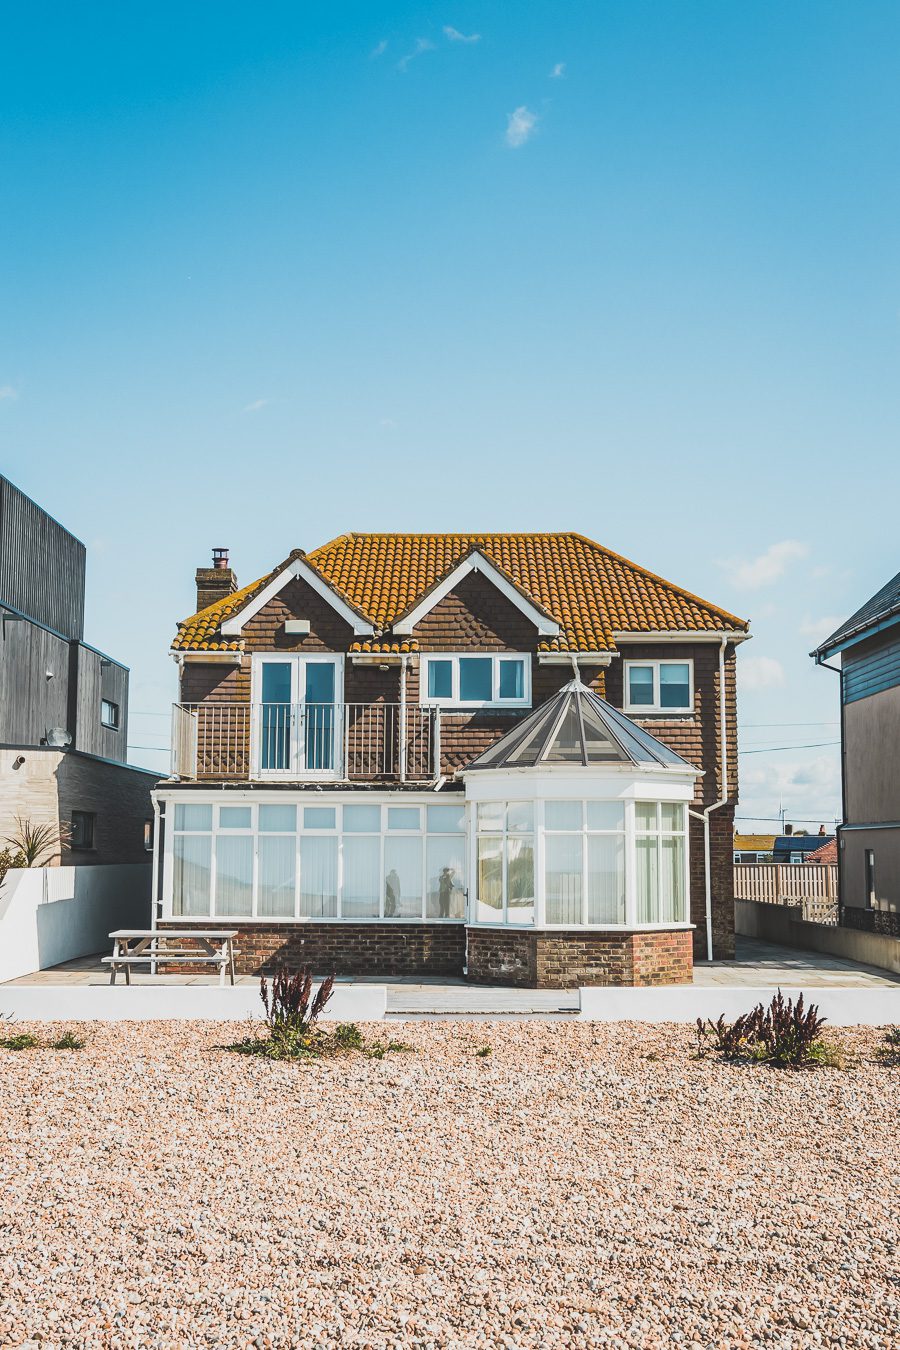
578,818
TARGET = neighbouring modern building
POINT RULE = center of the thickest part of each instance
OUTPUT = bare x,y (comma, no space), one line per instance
798,848
867,647
506,755
63,704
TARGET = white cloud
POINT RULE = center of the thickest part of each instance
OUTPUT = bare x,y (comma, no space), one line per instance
388,423
454,35
520,127
817,629
256,405
379,49
7,391
422,45
558,71
760,672
751,573
809,789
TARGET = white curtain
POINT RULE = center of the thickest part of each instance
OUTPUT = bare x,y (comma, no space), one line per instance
520,878
445,881
360,889
563,878
606,878
403,877
671,897
234,874
277,863
318,876
647,878
191,882
490,878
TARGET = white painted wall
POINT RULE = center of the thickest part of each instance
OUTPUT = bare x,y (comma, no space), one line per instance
53,914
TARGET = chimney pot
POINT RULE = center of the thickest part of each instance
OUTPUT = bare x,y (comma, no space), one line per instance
220,557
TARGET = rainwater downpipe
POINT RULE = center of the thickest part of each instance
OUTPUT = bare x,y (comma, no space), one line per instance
404,661
723,799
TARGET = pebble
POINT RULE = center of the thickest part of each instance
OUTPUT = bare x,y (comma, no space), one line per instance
158,1191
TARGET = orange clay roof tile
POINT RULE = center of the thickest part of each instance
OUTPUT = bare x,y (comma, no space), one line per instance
590,591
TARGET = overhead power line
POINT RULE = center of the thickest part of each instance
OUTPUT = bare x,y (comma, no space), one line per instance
770,749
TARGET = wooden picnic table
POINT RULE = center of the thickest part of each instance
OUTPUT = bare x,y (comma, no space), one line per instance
175,946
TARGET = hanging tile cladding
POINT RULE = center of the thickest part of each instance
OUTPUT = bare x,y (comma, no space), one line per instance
697,736
476,617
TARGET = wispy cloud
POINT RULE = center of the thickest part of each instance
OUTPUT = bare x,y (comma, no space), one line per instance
379,49
768,567
388,423
761,672
817,629
520,127
558,71
454,35
422,45
256,405
8,391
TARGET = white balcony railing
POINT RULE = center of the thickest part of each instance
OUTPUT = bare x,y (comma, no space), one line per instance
287,741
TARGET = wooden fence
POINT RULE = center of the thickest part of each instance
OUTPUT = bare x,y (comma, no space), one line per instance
810,886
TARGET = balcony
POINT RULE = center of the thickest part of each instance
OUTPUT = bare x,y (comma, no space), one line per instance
287,742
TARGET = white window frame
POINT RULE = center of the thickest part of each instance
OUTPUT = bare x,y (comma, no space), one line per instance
639,709
298,661
115,722
454,701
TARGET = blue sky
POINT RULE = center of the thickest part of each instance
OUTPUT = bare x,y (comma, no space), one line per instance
275,271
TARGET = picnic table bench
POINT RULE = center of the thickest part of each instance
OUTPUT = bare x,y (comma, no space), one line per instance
136,947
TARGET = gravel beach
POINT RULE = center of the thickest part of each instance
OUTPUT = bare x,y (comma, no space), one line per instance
581,1185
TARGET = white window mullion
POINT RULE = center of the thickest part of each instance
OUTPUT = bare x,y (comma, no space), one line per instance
630,866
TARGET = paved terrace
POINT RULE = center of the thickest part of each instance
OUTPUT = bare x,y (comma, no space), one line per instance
759,965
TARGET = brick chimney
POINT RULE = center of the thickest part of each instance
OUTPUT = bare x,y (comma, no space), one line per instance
216,582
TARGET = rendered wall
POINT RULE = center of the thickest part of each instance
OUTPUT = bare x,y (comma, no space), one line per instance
53,914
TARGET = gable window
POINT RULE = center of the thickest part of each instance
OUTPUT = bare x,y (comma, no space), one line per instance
495,681
109,714
659,686
82,835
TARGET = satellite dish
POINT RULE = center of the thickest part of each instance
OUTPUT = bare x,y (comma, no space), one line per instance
58,736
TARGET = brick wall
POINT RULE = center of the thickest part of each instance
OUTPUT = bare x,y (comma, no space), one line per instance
566,960
382,949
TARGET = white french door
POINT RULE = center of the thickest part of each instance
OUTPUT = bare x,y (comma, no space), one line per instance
297,705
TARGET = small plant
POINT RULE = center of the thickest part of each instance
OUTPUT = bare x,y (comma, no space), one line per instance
68,1041
22,1040
35,845
888,1053
347,1036
292,1012
380,1049
483,1051
785,1035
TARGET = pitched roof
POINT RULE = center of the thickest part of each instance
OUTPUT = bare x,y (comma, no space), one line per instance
754,843
826,854
590,591
884,604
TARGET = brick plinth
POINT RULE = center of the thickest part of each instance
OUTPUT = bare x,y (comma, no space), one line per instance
348,948
567,959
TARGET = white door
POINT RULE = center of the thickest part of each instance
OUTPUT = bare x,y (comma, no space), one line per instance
297,703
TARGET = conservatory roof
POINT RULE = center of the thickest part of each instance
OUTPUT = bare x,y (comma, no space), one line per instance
576,727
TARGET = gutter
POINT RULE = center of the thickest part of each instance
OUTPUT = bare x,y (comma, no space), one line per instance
717,805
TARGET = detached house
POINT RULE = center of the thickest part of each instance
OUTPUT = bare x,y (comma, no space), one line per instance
509,755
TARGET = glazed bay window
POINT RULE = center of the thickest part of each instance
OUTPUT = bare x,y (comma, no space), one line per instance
661,852
584,862
352,861
498,680
659,687
505,862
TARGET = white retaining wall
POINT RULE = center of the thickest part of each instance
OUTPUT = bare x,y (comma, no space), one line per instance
53,914
185,1002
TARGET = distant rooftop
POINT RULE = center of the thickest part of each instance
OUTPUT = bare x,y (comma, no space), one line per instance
883,606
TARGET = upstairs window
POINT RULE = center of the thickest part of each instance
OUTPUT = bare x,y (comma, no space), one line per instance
109,714
659,686
495,681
